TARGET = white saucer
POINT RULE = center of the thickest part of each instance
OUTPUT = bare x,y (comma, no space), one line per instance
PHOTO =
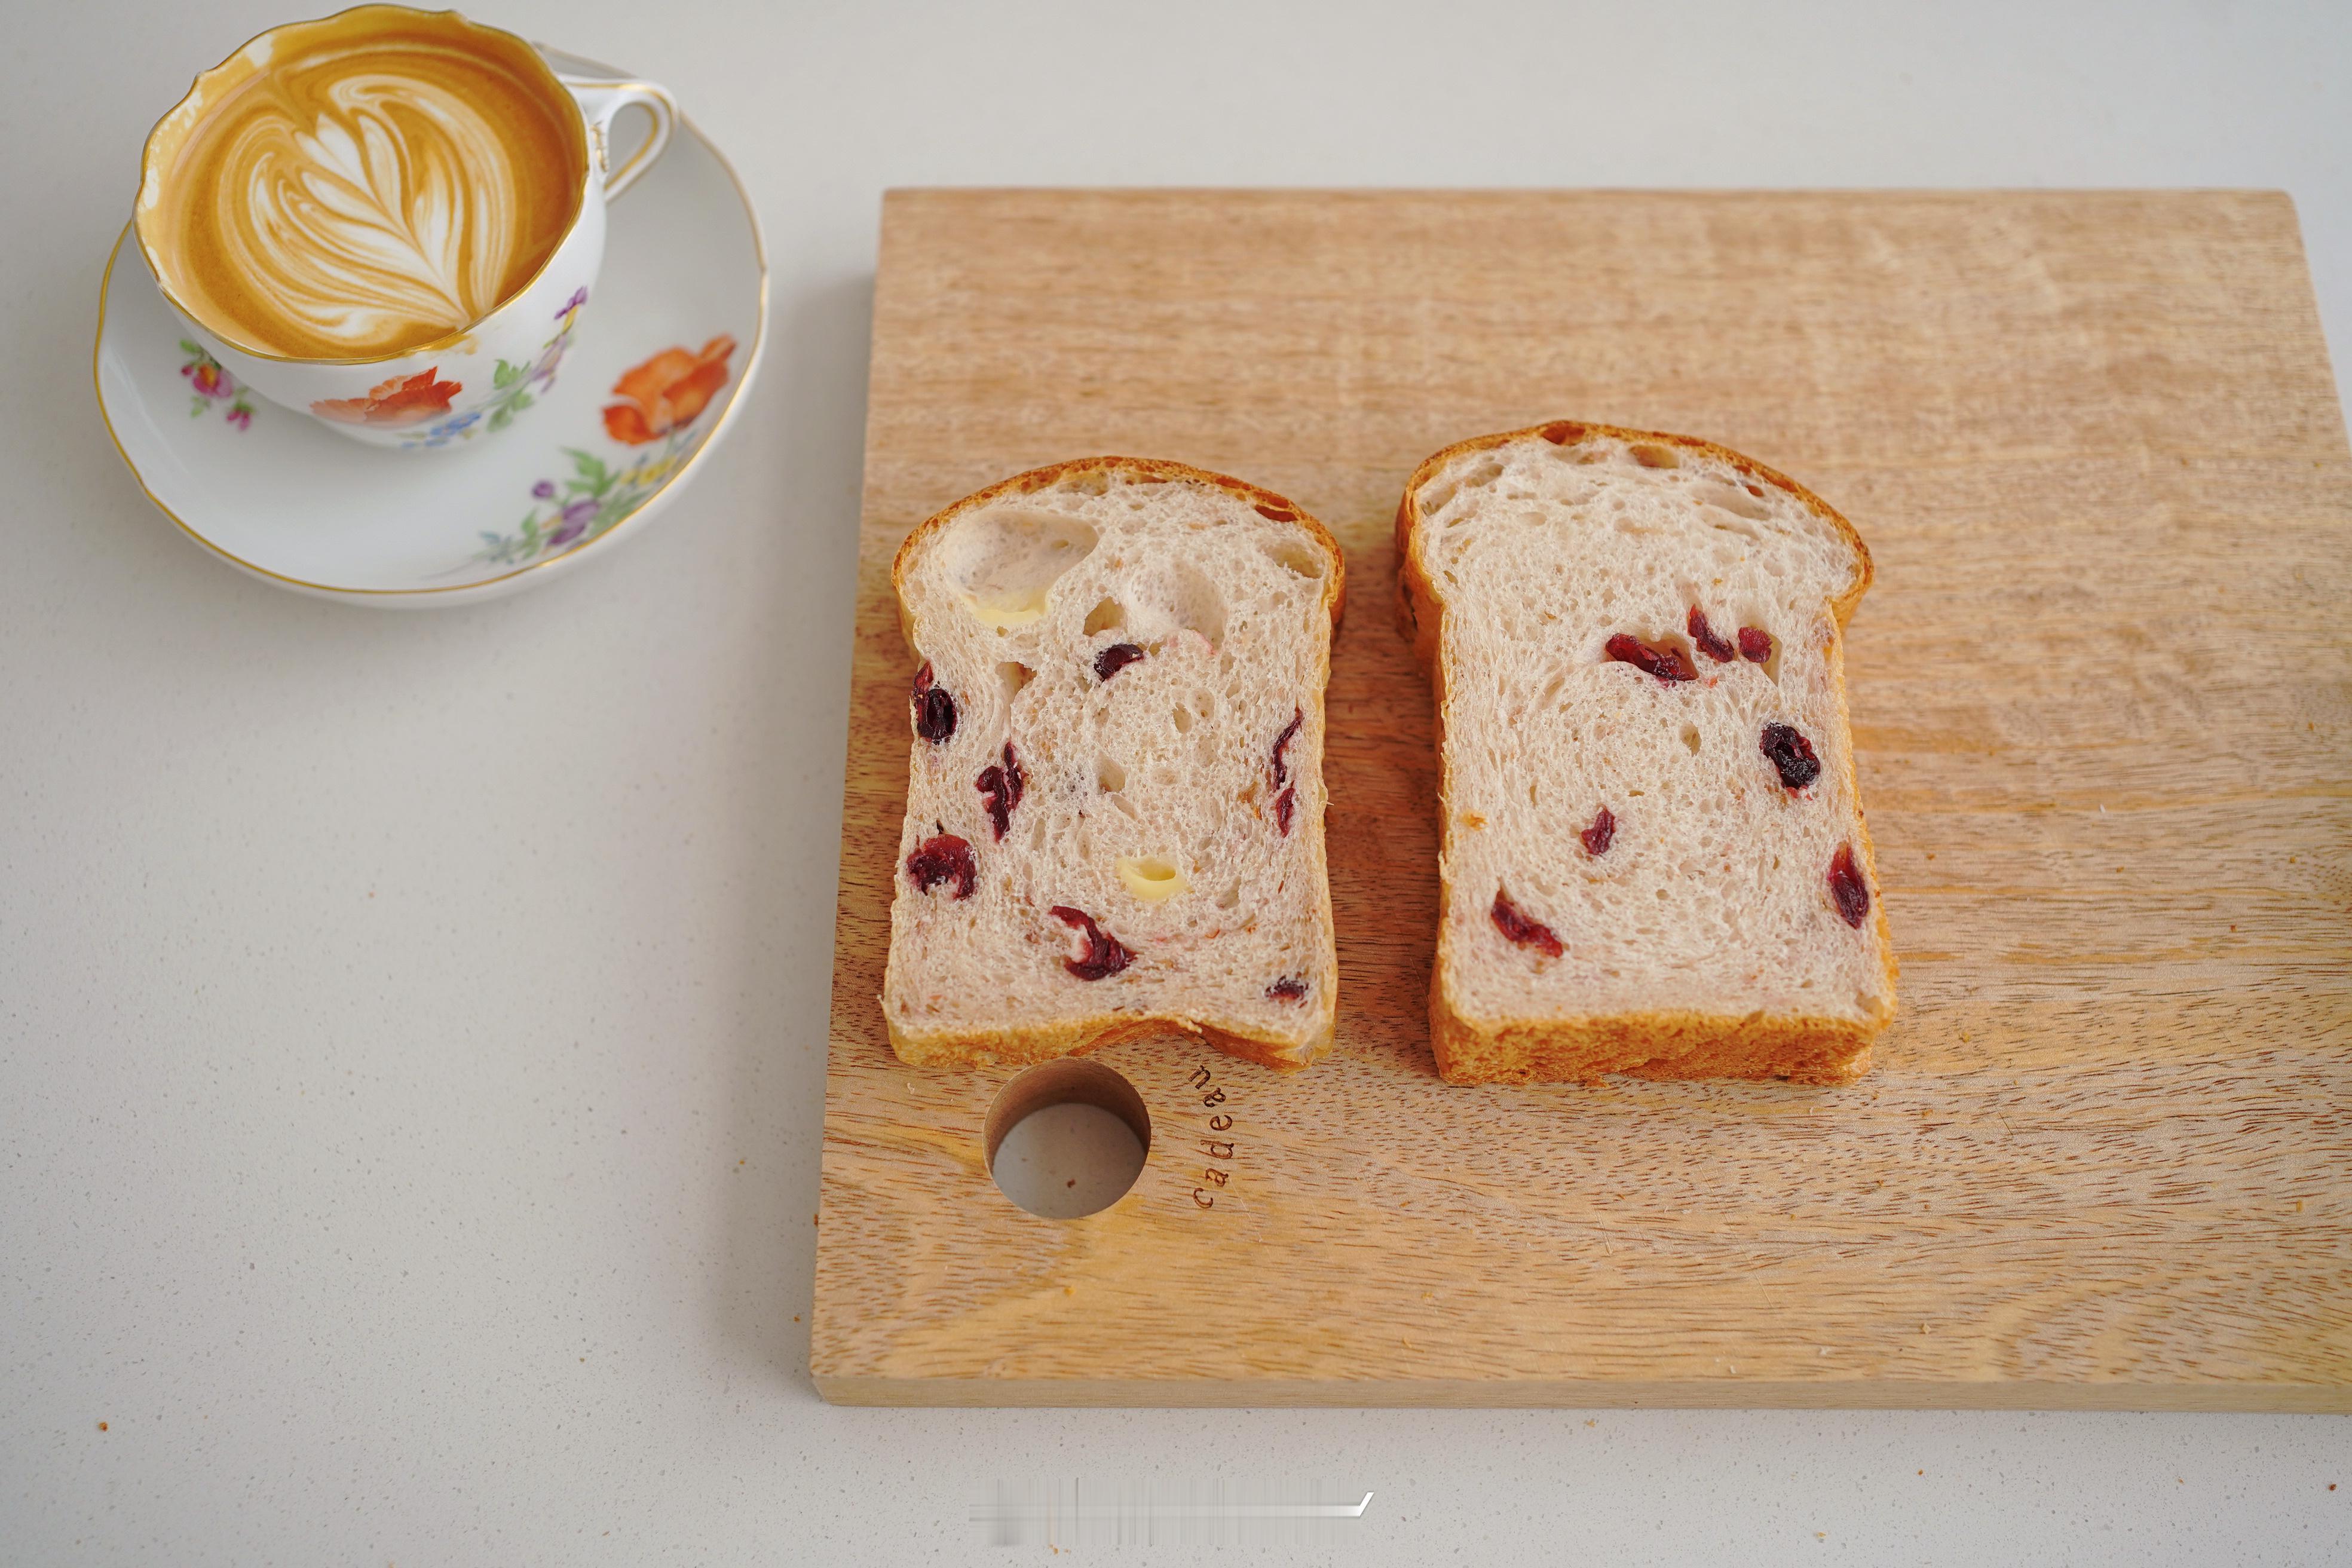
287,499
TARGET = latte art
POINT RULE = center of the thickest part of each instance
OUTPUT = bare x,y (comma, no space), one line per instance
394,215
369,195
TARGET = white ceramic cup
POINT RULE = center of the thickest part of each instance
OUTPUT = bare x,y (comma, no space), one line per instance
469,383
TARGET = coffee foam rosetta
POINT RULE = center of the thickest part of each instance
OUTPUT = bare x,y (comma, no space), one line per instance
351,203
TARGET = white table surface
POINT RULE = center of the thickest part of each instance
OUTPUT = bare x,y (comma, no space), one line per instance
412,1025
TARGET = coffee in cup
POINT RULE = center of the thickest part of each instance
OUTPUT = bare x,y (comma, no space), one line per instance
357,214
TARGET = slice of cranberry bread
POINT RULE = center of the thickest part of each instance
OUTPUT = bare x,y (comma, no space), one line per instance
1115,800
1654,860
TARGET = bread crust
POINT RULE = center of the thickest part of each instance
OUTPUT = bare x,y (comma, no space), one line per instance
1043,1043
1676,1044
1026,1044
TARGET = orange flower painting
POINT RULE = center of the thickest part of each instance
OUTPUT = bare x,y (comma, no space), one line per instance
410,400
666,392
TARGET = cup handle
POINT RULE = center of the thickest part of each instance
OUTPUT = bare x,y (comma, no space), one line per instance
601,101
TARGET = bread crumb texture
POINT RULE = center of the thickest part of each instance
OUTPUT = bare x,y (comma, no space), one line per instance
1711,936
1126,645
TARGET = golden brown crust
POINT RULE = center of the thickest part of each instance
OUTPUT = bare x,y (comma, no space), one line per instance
1655,1044
1661,1045
1043,1042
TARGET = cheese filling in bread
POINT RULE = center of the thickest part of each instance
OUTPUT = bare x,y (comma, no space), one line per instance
1654,860
1115,793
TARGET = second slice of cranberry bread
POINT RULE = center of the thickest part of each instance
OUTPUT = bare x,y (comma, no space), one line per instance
1653,858
1115,794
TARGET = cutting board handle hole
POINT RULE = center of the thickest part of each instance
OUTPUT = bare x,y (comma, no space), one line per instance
1068,1137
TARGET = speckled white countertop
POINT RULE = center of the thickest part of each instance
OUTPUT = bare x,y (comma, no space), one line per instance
411,1026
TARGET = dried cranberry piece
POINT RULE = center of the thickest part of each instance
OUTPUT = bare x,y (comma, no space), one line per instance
1289,988
934,710
1521,929
1285,805
991,783
1003,787
1105,954
1597,836
1113,658
1275,513
1846,887
1713,646
944,858
1792,754
1755,644
1562,432
1282,744
1666,663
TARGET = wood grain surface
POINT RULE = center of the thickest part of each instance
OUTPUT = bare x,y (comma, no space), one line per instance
2100,696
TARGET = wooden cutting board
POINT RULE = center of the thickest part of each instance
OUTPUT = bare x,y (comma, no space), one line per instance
2100,695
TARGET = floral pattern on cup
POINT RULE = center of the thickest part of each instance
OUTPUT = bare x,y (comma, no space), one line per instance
514,387
672,388
403,400
212,384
